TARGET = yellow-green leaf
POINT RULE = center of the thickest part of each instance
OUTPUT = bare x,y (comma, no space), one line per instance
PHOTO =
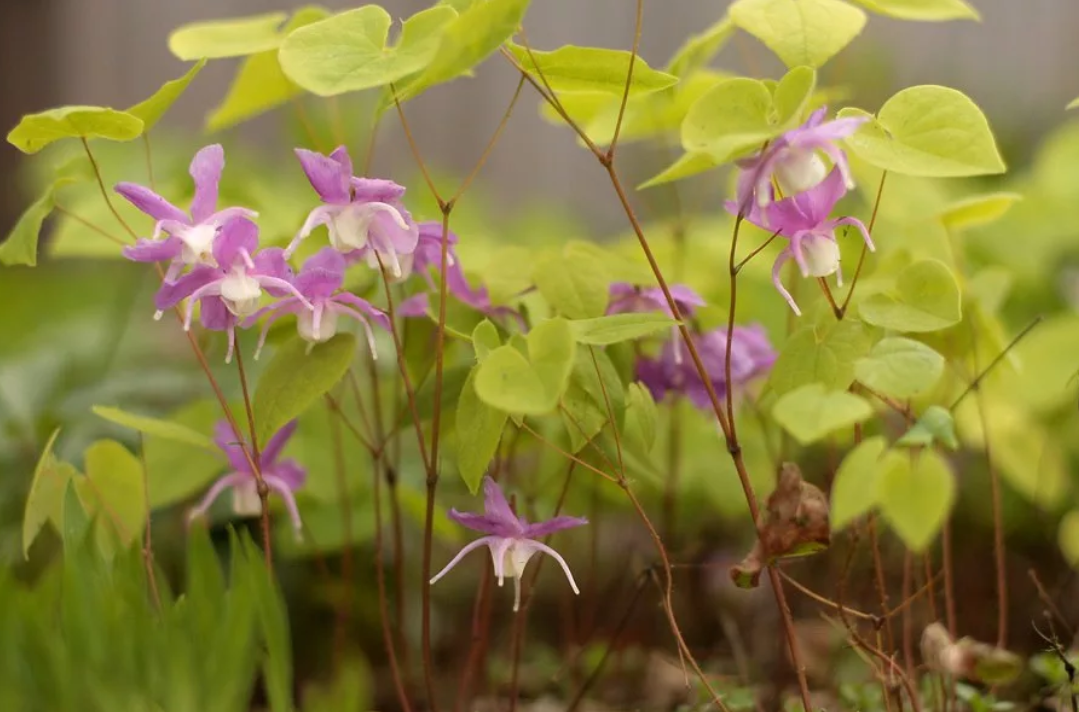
479,430
699,49
854,490
915,500
45,501
233,37
152,109
113,492
800,32
978,210
810,413
930,10
20,247
591,69
36,131
821,353
925,298
900,368
153,426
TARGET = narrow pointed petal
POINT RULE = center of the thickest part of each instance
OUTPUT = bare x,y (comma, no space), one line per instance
271,450
777,280
230,480
483,541
145,250
496,507
235,235
364,307
860,226
151,203
281,487
557,557
172,293
481,523
206,169
328,175
322,215
539,529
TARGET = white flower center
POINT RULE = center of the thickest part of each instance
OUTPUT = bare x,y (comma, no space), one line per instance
198,244
350,228
327,326
799,170
245,499
241,292
821,256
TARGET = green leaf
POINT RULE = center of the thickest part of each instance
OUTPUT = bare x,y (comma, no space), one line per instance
20,247
476,34
616,328
915,500
533,385
929,131
685,166
1068,537
1073,104
978,210
854,490
479,430
348,52
800,32
639,422
551,349
36,131
925,298
152,109
931,10
176,470
810,413
295,379
113,490
260,85
900,368
76,523
935,425
584,403
591,69
233,37
46,498
154,426
821,353
485,339
575,288
697,51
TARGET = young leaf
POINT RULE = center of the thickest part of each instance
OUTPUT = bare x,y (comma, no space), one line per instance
260,85
485,339
926,298
639,422
20,247
233,37
698,50
854,490
36,131
616,328
687,165
75,522
800,32
551,349
591,69
295,379
479,430
45,501
508,382
900,368
935,425
823,354
348,52
915,500
930,10
152,109
811,412
574,288
153,426
929,131
978,210
112,490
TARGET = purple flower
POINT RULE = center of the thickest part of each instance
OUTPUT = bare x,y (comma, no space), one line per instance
626,298
752,356
190,237
319,283
511,539
793,160
360,213
803,220
428,252
231,290
281,476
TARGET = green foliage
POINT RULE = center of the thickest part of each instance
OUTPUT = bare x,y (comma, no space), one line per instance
36,131
800,32
532,385
935,425
233,37
1068,537
811,412
593,383
698,50
348,52
925,298
821,353
45,500
932,10
485,339
479,430
153,426
978,210
854,490
929,131
295,379
639,421
113,492
916,499
575,286
20,247
617,328
152,109
590,69
900,368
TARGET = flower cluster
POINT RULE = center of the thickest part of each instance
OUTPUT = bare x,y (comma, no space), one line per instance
789,190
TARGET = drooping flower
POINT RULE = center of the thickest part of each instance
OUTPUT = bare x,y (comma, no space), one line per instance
794,161
511,539
190,238
282,476
230,291
804,220
319,282
752,356
362,214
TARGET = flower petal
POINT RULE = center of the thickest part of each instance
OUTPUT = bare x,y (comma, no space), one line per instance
206,168
229,442
497,508
375,190
235,235
151,203
172,293
535,531
272,448
481,523
232,479
145,250
282,488
364,307
487,540
329,175
215,316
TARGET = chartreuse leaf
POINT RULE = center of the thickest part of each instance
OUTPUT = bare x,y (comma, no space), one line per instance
584,403
36,131
154,426
915,499
900,367
929,131
1068,537
821,353
926,298
935,425
800,32
591,69
639,422
295,379
854,490
513,383
978,210
479,430
233,37
45,501
575,287
20,247
617,328
260,84
113,492
485,339
468,40
348,52
932,10
175,469
1073,104
698,50
811,412
551,349
152,109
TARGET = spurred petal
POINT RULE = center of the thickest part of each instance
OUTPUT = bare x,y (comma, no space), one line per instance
290,472
270,261
535,531
538,546
808,209
272,448
376,190
365,307
215,316
322,215
482,541
151,203
329,175
282,488
230,480
322,274
145,250
416,305
777,279
482,523
206,168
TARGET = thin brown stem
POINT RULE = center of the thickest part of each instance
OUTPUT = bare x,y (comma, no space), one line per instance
416,150
261,487
104,192
476,645
881,584
738,267
824,600
908,620
86,223
638,22
490,144
147,541
865,249
1050,605
340,633
977,381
